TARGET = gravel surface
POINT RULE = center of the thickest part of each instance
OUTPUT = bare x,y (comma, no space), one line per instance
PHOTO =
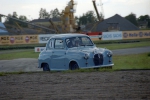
22,64
117,85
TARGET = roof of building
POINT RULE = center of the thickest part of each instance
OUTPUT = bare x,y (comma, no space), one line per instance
122,23
46,20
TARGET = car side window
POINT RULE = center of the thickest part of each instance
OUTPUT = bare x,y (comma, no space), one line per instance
86,41
59,44
51,44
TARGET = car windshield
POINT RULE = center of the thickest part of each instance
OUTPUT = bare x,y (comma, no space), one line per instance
78,41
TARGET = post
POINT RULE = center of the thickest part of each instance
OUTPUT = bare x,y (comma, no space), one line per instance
0,18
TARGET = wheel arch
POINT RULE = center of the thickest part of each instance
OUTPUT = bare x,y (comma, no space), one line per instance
43,64
73,62
45,67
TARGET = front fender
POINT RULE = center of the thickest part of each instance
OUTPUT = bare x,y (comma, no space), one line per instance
44,57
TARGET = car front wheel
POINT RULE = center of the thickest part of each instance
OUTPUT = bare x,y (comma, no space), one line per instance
74,66
46,67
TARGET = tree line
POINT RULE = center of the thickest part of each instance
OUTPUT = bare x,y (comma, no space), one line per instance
86,18
132,18
15,22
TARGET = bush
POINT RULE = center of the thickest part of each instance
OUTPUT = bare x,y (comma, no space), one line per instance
149,54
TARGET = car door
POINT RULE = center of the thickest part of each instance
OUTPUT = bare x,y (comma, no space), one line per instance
58,55
49,50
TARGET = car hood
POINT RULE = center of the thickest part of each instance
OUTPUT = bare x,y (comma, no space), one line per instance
89,49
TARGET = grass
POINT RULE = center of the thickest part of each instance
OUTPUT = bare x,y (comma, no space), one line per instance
124,45
16,73
90,70
20,54
136,61
6,73
20,46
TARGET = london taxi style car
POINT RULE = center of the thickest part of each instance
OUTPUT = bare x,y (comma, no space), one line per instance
73,51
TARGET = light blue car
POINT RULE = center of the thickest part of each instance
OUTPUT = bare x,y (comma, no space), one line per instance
73,51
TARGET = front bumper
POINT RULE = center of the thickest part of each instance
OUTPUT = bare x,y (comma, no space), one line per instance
99,66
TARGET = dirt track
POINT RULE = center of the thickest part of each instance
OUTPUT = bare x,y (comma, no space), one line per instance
117,85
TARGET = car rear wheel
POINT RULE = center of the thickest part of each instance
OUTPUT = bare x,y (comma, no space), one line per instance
74,66
46,67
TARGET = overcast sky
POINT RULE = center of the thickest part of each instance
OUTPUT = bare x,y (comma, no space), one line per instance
31,8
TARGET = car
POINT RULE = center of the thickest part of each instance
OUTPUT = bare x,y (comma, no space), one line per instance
71,52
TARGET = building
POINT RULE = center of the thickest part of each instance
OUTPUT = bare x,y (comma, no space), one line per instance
46,22
114,23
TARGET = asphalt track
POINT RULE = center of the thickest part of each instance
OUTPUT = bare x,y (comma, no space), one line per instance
30,64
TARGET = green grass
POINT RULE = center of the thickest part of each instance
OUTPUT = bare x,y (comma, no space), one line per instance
124,45
20,46
20,54
90,70
16,73
6,73
136,61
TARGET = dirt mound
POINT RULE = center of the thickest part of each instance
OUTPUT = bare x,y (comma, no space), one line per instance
117,85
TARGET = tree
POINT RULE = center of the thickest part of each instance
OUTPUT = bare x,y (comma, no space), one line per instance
10,20
43,14
76,19
144,18
23,18
15,15
88,17
7,18
132,18
54,13
91,17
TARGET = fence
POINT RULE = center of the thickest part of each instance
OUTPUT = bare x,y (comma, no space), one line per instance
35,39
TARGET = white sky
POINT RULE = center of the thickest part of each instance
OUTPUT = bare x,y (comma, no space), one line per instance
31,8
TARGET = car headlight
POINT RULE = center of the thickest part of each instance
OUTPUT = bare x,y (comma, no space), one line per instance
109,54
86,56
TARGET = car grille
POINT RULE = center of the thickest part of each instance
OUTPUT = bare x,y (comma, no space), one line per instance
98,59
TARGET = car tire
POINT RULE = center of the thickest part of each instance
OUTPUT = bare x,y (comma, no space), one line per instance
74,66
46,67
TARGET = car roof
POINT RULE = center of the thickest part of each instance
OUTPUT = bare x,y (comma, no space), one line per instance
67,35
